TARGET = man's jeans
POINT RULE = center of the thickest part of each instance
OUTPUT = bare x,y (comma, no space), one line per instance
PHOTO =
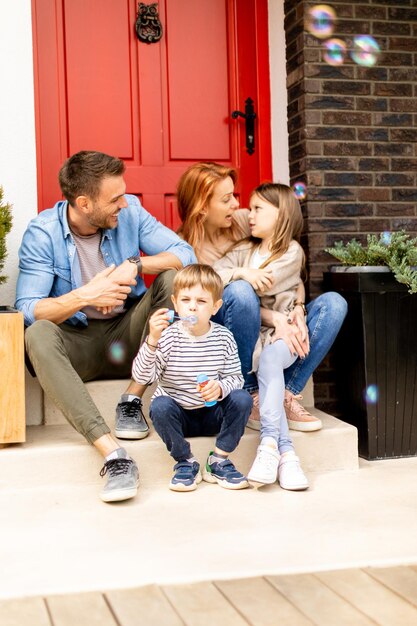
226,419
325,316
65,356
241,315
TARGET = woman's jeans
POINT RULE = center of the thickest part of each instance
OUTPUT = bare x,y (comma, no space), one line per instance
226,419
325,316
240,313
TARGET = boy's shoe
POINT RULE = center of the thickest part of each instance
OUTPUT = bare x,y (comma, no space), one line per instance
122,482
298,417
254,420
290,474
265,467
187,476
130,420
225,474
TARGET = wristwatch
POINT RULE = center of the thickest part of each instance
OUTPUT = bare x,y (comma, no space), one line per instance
136,259
301,304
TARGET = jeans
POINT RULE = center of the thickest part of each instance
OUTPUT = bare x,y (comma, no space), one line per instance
240,313
325,316
274,359
226,419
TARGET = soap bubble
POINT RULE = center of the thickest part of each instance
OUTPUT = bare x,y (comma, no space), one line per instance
117,352
386,238
371,394
365,50
335,51
300,190
320,21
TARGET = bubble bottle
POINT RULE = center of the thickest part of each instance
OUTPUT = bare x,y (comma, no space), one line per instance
202,380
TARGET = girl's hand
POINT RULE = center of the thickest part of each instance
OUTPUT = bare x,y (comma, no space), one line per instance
157,323
290,333
261,280
210,390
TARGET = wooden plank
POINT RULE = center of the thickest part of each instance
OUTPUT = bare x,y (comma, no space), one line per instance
370,597
402,580
201,604
24,612
314,599
260,603
144,606
80,609
12,364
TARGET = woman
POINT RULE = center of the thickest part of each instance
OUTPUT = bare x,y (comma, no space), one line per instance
212,223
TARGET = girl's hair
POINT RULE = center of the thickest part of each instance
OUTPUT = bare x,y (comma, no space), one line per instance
199,274
194,191
290,219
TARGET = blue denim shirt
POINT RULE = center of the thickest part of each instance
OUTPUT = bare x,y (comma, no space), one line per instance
48,259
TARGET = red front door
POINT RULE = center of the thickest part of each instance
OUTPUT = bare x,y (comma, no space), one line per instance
159,106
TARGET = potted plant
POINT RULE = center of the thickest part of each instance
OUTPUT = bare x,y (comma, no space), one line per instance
12,398
376,350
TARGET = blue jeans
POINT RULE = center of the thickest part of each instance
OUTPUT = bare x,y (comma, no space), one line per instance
226,419
325,316
240,313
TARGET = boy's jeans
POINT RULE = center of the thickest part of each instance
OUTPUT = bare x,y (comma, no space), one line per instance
226,419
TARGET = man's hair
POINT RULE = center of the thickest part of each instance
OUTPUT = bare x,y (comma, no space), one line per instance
83,173
199,274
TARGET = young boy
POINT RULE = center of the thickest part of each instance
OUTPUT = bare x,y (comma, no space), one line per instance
175,354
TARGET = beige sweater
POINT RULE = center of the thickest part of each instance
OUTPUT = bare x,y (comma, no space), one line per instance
280,297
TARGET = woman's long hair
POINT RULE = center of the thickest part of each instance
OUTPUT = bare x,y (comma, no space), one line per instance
194,192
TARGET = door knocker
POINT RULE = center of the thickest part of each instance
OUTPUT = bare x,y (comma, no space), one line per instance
148,26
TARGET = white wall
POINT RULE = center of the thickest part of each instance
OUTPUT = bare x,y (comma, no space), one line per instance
280,165
17,128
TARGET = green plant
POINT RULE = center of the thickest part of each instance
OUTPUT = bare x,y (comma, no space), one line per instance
396,250
5,226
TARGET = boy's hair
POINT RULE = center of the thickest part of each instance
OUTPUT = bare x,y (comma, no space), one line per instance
83,173
199,274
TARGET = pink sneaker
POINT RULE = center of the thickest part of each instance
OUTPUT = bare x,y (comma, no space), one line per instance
254,420
298,417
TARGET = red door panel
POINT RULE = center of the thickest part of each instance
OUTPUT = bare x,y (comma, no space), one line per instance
158,106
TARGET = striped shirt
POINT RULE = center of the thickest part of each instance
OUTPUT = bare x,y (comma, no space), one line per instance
180,357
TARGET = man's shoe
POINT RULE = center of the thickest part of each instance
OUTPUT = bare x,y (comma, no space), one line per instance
290,474
187,476
122,482
254,420
265,467
130,420
225,474
297,416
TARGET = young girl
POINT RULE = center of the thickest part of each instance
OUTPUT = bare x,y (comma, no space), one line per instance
272,259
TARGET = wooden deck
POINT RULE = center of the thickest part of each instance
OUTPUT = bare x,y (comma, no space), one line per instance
358,597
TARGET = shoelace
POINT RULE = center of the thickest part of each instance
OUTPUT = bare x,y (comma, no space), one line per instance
131,410
115,467
296,407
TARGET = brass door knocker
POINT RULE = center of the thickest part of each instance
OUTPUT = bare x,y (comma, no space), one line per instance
148,26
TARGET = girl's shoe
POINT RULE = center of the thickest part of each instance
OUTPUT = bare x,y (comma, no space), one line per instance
298,417
290,474
265,467
186,477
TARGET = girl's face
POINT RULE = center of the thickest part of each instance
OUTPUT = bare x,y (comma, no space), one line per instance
222,204
263,217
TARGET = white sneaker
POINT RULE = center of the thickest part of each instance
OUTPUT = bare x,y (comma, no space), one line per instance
265,467
290,474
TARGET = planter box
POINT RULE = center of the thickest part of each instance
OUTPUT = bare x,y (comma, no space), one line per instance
12,368
376,360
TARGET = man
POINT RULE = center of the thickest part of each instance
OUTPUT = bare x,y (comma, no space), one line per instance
86,306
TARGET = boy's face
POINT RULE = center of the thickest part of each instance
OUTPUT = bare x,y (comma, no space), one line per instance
199,302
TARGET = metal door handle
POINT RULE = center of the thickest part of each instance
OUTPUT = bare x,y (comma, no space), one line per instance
249,116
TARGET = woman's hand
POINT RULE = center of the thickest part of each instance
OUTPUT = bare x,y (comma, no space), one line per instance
261,280
298,318
287,327
157,323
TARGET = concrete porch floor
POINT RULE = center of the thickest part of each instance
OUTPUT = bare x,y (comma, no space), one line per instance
62,538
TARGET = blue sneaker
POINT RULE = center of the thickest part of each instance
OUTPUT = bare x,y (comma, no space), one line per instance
187,476
225,474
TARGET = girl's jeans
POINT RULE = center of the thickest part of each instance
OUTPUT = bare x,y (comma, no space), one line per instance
274,359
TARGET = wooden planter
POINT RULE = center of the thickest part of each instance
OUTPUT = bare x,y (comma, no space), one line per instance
12,372
376,360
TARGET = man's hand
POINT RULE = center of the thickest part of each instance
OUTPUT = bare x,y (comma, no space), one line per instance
105,291
124,274
261,280
286,328
157,323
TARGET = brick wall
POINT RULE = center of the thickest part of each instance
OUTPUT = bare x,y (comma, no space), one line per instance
352,134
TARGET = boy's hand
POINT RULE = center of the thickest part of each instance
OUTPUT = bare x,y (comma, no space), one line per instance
157,323
210,390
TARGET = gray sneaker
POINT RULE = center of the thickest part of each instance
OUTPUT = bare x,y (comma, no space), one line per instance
130,420
122,482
